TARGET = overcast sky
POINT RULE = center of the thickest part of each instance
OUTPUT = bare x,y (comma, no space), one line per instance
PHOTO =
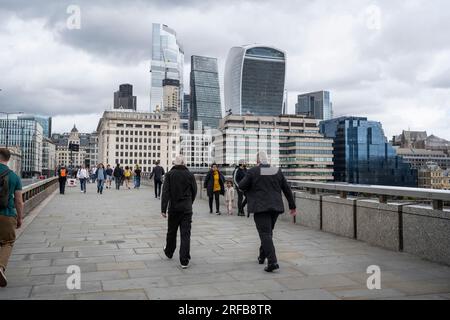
387,60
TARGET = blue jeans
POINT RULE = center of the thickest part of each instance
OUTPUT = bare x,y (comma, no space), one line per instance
83,184
137,182
100,184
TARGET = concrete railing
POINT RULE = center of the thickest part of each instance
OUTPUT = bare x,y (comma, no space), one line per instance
35,193
411,220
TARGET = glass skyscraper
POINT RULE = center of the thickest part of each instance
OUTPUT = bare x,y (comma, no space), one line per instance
44,121
362,154
254,80
167,62
124,99
27,134
205,92
315,105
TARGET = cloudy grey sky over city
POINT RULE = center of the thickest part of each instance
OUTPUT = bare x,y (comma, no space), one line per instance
387,60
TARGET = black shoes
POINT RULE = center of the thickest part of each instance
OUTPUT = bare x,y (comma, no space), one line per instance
271,267
184,264
167,255
261,260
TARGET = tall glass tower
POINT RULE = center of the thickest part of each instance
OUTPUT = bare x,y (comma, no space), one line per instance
205,92
254,80
362,154
315,105
167,62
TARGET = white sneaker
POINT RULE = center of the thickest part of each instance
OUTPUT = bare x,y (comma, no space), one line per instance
184,266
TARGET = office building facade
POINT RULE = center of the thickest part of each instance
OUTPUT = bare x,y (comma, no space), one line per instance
291,142
44,121
205,106
124,99
255,80
362,154
171,95
431,176
316,105
138,138
49,160
196,146
27,135
167,63
70,158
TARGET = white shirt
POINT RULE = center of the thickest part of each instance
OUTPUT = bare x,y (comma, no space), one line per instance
82,174
229,193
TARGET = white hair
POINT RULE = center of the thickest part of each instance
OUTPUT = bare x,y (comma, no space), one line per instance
179,160
261,157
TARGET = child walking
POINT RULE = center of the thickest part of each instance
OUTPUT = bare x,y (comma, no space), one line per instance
229,197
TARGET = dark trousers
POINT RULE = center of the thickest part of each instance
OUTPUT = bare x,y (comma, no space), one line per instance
83,184
62,185
183,220
242,201
265,222
118,182
158,184
216,196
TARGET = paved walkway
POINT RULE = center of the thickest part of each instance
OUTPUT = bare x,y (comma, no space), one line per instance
117,239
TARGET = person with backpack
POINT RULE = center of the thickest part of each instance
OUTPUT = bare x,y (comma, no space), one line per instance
118,176
83,176
127,174
62,179
11,211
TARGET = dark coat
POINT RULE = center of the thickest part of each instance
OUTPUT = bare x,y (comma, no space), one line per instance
157,173
209,183
118,172
179,190
238,175
263,186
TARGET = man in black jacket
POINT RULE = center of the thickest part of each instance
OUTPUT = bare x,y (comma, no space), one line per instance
239,174
263,185
118,175
157,174
178,195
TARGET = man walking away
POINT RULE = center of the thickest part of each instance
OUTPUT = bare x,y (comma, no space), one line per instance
263,185
11,211
118,175
239,174
137,177
83,176
178,195
62,178
109,175
157,174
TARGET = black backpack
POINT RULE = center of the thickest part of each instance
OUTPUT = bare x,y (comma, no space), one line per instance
4,189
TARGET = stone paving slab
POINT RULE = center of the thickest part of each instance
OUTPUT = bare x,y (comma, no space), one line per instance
117,239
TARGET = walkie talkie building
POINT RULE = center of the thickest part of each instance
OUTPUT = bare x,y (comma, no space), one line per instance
254,80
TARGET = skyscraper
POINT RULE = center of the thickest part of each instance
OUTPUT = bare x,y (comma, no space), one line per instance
171,95
362,154
315,105
205,92
254,80
167,62
44,121
124,99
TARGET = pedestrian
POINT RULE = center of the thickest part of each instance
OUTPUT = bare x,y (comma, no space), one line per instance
263,185
137,177
93,174
214,185
11,211
109,176
127,175
118,176
100,176
238,174
62,179
229,197
157,174
83,176
179,191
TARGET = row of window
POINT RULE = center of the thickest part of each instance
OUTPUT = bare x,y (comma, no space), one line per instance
137,133
141,140
137,154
